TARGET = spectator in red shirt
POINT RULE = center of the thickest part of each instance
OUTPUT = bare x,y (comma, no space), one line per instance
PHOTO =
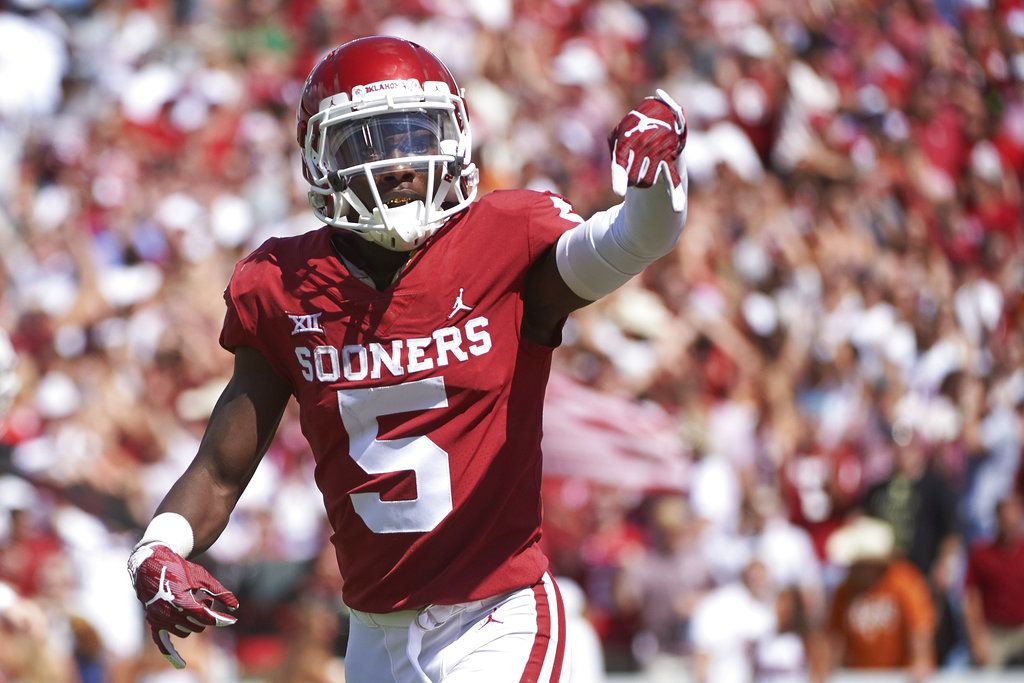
994,592
28,545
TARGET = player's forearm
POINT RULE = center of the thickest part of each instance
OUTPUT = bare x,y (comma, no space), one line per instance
208,491
602,253
237,435
204,501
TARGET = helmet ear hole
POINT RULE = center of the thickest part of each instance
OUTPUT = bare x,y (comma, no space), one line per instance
323,204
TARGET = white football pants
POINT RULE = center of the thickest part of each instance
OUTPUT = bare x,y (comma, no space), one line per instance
510,638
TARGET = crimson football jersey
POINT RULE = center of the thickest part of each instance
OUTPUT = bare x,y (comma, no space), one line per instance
421,402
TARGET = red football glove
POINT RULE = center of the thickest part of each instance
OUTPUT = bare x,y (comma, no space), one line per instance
646,143
178,596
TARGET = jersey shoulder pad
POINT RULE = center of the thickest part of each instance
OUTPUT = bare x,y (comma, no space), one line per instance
510,201
517,201
539,208
277,255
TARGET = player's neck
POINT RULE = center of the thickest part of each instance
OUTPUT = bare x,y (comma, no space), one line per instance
380,264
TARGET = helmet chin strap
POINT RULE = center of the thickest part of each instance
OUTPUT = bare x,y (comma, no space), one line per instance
406,226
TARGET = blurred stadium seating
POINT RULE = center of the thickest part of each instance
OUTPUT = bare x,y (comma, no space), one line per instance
851,280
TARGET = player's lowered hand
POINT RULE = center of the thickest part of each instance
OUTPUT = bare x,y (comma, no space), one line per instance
179,596
646,143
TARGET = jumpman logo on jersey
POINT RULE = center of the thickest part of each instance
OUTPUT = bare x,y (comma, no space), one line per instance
644,124
489,619
459,305
163,591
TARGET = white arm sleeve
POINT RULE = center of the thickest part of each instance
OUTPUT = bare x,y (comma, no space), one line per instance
599,255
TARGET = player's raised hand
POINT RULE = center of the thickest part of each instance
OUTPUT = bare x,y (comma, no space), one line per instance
646,143
179,596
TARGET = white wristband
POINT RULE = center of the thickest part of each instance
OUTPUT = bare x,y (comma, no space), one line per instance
172,530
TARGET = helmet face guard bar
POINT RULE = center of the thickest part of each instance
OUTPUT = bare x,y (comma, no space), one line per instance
439,177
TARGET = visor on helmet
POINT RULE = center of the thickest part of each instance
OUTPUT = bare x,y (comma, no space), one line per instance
386,136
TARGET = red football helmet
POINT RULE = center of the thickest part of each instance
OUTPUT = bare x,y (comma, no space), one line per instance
373,106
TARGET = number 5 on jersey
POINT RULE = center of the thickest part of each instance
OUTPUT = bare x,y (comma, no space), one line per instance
360,409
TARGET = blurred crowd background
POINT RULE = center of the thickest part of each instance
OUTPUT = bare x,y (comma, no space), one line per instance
791,446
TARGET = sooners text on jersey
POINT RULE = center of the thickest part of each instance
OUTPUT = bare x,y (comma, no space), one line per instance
421,402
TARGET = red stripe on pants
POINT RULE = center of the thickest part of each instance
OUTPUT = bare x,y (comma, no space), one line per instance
556,670
531,674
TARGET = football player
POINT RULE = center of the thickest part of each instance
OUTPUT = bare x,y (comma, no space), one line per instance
415,330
